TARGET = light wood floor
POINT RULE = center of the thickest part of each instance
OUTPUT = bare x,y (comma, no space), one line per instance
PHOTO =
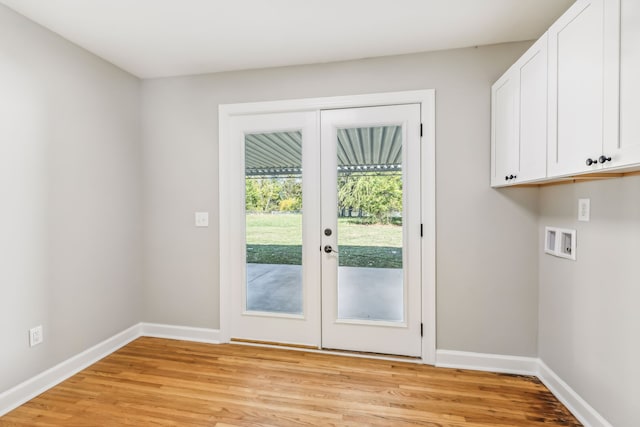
164,382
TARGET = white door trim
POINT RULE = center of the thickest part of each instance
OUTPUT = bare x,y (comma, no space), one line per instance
427,111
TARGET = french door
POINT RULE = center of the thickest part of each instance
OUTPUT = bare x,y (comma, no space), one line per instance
330,236
275,288
371,298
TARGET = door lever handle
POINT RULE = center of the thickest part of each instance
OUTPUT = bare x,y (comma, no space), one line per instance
328,249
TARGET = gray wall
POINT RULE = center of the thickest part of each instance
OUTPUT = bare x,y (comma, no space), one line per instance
589,317
75,185
70,236
486,255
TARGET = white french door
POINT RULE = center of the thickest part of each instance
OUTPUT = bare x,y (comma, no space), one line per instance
329,240
371,284
275,286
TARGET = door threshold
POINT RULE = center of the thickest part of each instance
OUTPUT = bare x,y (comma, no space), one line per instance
331,351
373,355
272,344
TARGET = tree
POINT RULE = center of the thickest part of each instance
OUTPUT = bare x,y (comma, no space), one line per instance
267,194
251,195
290,194
380,196
262,194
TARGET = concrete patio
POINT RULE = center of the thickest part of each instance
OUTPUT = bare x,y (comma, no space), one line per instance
363,293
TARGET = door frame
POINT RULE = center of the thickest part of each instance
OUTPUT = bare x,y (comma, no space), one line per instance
426,99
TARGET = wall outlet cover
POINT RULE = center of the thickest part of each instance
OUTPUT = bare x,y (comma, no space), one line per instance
584,209
202,219
35,335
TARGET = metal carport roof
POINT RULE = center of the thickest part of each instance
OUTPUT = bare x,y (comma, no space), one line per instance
371,149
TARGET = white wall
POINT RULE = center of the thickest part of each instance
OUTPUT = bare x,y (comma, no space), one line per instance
487,272
70,235
589,316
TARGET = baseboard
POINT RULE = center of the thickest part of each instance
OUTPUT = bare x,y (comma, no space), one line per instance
487,362
186,333
34,386
29,389
584,412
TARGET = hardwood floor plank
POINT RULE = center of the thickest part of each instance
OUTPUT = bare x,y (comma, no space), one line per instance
162,382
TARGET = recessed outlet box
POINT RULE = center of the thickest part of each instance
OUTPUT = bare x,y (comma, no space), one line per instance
566,244
560,242
550,240
35,335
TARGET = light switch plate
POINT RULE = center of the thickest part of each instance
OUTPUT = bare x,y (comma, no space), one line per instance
584,210
202,219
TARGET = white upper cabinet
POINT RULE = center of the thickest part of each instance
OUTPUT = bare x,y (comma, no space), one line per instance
576,87
519,119
504,150
626,150
532,102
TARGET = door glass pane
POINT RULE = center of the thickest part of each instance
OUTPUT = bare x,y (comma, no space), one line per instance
370,274
273,206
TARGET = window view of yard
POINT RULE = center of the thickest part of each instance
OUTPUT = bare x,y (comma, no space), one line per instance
369,223
370,274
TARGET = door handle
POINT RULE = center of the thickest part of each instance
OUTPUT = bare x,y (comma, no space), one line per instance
328,249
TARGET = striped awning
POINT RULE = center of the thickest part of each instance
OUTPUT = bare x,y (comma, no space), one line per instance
360,150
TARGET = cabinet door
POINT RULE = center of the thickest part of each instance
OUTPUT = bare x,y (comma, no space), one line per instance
532,105
625,150
576,82
504,147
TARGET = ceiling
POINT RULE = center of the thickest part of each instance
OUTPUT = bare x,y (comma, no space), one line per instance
159,38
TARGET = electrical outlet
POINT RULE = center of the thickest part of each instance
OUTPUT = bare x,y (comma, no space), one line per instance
202,219
35,335
584,210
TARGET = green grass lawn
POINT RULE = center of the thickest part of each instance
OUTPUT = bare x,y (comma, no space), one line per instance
276,239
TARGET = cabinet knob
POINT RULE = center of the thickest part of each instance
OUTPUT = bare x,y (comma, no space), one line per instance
591,162
603,159
512,177
506,178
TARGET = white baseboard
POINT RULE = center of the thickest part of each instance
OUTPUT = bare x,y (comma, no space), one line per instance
584,412
186,333
487,362
34,386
